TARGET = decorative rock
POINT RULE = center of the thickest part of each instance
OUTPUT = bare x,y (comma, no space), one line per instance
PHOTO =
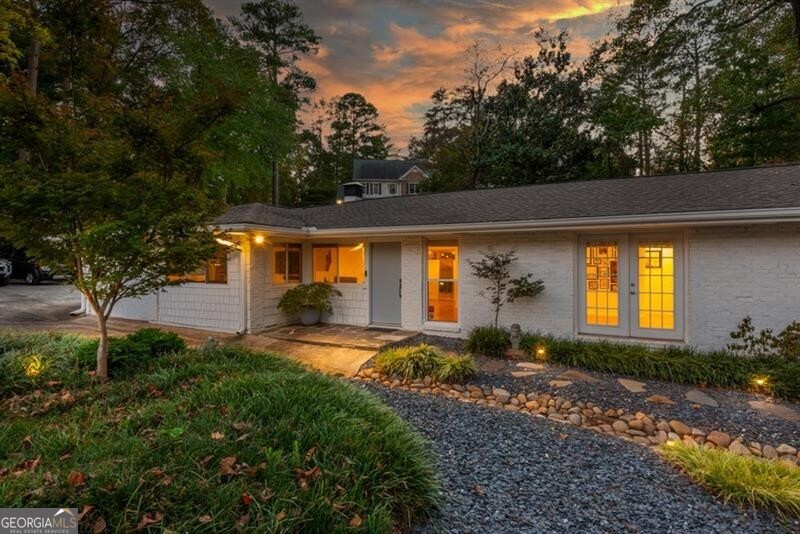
776,410
783,448
721,439
522,374
427,380
660,399
511,408
769,452
620,426
632,385
660,437
633,432
532,396
636,424
560,383
663,425
679,427
522,398
698,397
697,432
476,394
500,392
737,448
532,405
530,365
577,375
574,418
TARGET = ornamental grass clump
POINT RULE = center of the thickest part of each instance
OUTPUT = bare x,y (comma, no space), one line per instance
425,360
743,480
489,340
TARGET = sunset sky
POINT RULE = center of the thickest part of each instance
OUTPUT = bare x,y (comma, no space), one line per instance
397,52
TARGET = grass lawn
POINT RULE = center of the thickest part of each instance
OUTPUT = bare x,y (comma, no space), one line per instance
207,442
743,480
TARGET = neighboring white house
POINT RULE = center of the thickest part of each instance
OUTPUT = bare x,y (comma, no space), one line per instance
675,259
384,178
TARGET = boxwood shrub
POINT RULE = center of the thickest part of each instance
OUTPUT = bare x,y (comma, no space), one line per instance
771,374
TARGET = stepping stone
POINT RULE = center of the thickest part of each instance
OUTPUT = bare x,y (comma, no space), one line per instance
660,399
560,383
529,365
632,385
521,374
699,397
492,365
577,375
775,410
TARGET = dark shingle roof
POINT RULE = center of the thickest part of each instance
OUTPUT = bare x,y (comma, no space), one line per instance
384,169
742,189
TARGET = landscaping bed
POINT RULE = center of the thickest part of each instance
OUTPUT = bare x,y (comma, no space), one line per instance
733,415
205,441
504,471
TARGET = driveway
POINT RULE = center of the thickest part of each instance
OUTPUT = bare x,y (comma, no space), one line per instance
23,305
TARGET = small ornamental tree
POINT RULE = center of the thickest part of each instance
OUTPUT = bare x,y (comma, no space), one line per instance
494,267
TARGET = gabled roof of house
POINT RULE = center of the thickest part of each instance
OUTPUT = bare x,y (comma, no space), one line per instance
385,169
712,193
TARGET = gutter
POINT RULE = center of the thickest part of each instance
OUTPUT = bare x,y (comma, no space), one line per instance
668,220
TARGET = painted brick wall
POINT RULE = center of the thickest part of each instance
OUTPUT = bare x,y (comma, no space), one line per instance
733,272
412,254
550,257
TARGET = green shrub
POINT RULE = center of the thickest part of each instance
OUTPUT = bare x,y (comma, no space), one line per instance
780,377
425,360
409,362
134,351
311,451
456,368
489,340
158,341
315,296
740,479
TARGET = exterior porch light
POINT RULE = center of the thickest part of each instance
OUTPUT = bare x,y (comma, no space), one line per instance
760,381
540,352
259,239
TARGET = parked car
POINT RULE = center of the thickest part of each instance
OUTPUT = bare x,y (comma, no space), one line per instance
30,271
5,271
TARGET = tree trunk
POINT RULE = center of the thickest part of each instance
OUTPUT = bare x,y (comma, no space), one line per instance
276,184
102,348
33,68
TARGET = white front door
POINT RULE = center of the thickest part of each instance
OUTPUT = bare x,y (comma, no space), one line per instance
631,285
385,284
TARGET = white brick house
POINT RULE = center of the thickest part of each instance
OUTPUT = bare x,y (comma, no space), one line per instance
675,259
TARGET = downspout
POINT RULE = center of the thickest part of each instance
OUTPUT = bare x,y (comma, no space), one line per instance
244,266
82,310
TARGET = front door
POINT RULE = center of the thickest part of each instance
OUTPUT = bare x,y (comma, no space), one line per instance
385,283
631,285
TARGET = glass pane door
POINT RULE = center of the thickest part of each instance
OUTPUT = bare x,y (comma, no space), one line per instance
656,293
602,293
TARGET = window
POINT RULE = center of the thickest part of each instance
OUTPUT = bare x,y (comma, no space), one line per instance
338,264
372,188
213,271
442,281
656,285
287,264
413,189
392,189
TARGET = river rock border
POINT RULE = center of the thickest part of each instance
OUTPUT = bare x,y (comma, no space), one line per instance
639,427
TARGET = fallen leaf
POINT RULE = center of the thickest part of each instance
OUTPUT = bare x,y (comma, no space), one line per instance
246,499
167,481
204,518
85,510
563,436
65,456
242,437
310,453
149,519
53,383
99,525
239,426
153,391
266,494
477,490
67,398
27,442
205,460
227,466
4,471
243,521
217,435
76,478
280,516
23,467
356,521
49,478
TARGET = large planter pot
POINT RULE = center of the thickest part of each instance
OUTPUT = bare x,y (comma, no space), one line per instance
309,316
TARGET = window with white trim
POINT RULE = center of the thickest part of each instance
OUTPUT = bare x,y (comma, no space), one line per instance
287,263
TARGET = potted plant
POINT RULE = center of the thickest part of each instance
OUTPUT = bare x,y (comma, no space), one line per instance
309,301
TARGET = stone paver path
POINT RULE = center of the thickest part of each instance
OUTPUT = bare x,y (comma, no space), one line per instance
632,385
697,396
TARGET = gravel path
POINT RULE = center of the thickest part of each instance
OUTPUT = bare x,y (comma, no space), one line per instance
508,472
734,414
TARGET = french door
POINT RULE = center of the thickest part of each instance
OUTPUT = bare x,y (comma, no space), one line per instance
631,285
